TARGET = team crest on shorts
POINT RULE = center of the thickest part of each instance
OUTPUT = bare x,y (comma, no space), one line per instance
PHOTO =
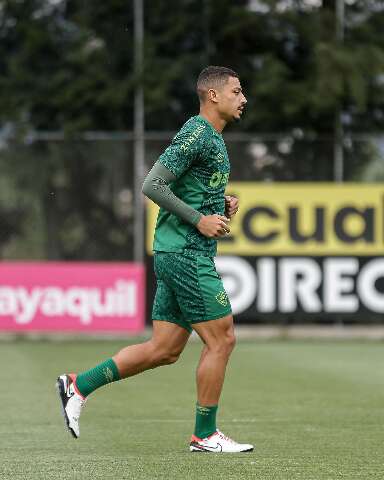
222,298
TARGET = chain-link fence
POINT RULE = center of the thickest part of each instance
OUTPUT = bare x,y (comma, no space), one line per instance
73,199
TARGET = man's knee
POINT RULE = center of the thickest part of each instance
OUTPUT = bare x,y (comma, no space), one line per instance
165,356
231,341
223,344
218,335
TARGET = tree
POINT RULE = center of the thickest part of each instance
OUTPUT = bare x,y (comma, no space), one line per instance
68,65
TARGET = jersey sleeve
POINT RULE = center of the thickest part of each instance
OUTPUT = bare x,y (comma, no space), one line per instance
185,149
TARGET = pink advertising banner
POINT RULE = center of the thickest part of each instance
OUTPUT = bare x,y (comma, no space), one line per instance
84,297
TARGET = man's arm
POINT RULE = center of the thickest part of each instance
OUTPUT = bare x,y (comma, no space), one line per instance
156,187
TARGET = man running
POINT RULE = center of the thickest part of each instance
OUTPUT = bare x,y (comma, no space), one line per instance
188,183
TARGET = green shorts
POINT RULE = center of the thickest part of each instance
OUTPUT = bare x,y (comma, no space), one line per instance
189,290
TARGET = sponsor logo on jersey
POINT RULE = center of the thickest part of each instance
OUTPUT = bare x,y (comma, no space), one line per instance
218,179
192,138
220,157
218,154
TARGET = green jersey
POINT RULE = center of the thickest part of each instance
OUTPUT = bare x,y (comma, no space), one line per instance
198,158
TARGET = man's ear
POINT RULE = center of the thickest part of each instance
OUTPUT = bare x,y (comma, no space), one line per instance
212,95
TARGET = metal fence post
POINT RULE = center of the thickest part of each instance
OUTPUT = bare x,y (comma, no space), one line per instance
338,153
139,143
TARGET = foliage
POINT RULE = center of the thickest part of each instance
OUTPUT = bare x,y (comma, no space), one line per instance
68,65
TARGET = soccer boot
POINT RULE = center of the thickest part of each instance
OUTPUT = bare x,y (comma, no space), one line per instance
71,402
218,443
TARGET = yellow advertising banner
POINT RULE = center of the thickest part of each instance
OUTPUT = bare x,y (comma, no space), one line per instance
301,219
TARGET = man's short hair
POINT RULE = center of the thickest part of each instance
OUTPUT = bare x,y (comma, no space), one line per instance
213,77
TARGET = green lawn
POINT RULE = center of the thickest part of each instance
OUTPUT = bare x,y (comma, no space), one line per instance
314,410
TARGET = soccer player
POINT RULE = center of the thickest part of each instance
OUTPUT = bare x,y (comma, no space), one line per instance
188,183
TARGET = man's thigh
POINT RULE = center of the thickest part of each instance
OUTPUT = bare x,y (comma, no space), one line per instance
169,336
166,307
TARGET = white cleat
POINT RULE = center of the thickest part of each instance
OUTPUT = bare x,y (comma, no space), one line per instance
218,443
71,402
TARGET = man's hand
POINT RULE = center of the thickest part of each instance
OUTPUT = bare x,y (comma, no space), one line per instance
213,226
231,206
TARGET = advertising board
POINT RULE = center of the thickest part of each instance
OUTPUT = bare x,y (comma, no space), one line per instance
87,297
303,248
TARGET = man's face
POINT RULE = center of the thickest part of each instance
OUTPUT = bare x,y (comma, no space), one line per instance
230,100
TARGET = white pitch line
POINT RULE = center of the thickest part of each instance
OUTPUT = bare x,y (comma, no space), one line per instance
162,420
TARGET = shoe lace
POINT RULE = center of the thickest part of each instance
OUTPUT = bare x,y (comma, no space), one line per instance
224,437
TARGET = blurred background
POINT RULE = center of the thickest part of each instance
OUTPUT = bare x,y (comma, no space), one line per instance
92,92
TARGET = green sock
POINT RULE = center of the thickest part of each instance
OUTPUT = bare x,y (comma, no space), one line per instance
106,372
205,421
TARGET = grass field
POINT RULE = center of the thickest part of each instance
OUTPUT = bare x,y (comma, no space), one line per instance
314,410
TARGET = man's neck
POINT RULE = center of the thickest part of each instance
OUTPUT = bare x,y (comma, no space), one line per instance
213,118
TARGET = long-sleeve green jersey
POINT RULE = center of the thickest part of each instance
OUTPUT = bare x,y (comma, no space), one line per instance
199,160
